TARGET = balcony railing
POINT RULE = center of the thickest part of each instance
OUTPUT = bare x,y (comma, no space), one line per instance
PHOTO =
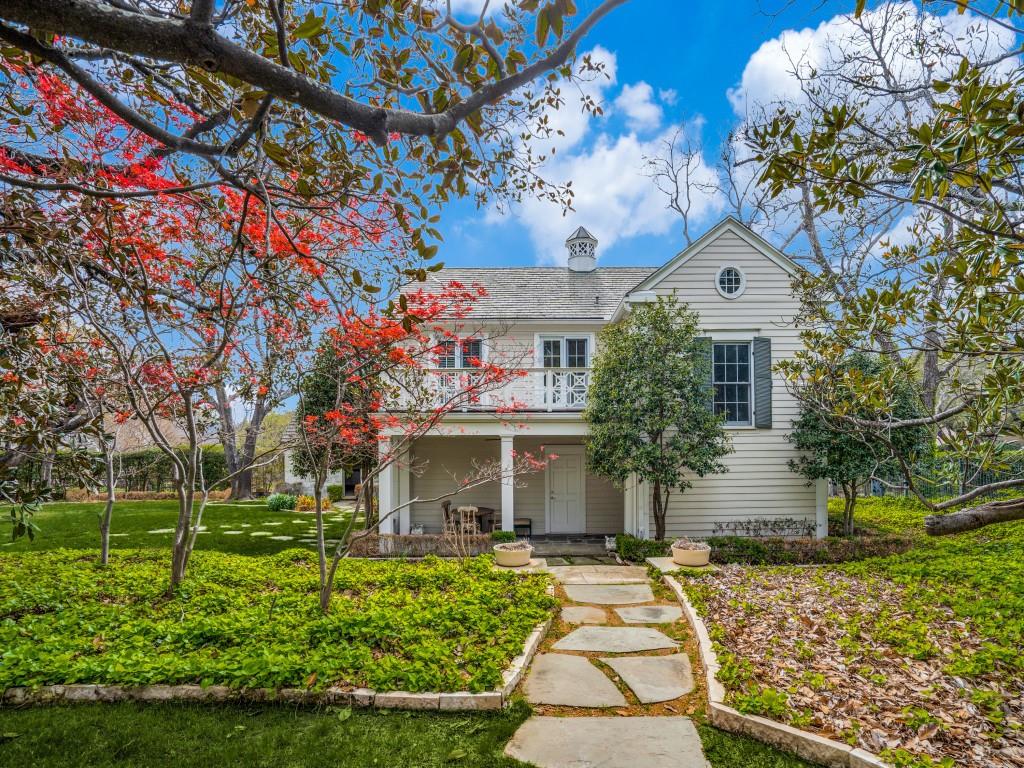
541,389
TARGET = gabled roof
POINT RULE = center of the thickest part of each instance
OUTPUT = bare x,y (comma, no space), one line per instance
542,293
728,224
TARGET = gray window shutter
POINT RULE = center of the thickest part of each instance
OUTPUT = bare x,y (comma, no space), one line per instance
762,382
704,342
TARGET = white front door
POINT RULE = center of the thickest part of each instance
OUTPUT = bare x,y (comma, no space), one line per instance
566,503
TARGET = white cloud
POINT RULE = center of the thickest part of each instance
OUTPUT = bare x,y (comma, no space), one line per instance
613,198
636,102
570,123
471,7
770,73
668,95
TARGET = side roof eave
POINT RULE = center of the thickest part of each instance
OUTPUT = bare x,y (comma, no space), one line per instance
728,224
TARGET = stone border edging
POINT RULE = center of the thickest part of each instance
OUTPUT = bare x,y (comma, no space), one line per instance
809,746
459,701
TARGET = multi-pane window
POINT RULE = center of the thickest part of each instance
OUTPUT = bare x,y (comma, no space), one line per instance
730,282
447,355
731,379
575,353
552,353
467,354
472,353
565,352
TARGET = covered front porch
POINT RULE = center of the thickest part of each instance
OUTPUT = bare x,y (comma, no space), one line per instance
560,500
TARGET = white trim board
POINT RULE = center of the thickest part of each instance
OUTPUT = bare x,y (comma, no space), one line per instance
641,291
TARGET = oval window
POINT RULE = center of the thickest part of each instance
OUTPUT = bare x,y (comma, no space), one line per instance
730,282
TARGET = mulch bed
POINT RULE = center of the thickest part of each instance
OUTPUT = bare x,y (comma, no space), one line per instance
816,634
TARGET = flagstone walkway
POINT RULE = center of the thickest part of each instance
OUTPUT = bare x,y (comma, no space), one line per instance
613,681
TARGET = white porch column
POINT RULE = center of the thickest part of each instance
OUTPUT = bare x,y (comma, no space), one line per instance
821,508
643,510
508,487
385,488
404,514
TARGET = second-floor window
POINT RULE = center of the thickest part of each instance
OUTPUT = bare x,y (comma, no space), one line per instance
565,352
731,379
467,353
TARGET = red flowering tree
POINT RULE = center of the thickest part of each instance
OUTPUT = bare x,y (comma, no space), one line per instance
384,378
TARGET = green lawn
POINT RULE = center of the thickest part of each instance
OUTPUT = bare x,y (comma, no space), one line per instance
247,528
156,735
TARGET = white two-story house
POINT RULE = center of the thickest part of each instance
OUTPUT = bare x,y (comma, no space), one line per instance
547,321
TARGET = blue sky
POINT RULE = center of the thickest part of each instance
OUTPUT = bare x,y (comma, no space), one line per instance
690,54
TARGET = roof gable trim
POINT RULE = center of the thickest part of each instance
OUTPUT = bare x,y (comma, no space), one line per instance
728,224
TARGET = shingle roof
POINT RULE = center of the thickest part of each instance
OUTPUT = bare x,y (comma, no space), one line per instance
543,293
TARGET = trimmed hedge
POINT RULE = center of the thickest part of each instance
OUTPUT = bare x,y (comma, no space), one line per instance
779,551
637,550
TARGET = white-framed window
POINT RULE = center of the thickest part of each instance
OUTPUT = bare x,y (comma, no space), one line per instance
731,377
565,351
730,282
466,353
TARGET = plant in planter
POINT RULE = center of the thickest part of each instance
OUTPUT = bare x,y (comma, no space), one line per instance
513,554
694,554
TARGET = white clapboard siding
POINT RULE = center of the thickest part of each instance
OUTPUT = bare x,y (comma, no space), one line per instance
759,482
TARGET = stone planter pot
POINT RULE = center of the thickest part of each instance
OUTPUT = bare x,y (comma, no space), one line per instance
512,558
694,558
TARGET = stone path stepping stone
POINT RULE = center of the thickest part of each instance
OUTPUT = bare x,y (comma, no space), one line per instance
650,614
610,594
600,574
667,565
615,640
570,681
654,678
608,742
584,614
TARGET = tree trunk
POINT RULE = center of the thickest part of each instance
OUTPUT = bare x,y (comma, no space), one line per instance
108,510
368,497
659,511
227,434
849,504
241,486
976,517
321,545
46,470
186,489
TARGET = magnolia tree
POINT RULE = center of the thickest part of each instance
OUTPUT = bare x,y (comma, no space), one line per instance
378,373
936,135
850,457
649,407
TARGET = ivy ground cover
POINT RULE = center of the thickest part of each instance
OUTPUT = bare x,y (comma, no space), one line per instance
916,656
246,528
437,625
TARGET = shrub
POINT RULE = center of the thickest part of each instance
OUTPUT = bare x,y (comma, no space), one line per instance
637,550
335,493
500,537
778,551
306,503
281,502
